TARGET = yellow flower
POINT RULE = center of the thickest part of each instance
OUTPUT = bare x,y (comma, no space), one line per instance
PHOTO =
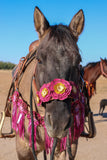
44,92
59,88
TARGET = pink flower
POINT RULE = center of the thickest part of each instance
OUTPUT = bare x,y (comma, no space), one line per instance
60,89
45,93
57,89
79,117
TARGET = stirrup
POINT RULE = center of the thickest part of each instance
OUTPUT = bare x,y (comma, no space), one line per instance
84,134
5,135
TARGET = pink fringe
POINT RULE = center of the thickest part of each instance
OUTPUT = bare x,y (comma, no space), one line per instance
48,142
20,109
64,141
63,144
78,112
14,112
21,117
18,118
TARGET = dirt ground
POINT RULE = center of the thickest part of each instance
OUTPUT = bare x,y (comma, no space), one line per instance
88,149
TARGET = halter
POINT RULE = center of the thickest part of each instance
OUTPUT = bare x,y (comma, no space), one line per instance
102,69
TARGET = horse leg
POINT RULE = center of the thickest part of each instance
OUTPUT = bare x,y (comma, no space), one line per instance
23,150
60,155
103,109
100,109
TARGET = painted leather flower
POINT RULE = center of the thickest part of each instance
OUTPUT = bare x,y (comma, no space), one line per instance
60,89
44,93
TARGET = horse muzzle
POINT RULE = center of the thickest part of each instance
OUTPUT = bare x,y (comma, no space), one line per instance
57,120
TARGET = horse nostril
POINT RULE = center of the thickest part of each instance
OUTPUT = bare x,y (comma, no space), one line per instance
49,120
68,125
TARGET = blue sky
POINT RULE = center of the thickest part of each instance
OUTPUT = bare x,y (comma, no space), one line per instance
17,27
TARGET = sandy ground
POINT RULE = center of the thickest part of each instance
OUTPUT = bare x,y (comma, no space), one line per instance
88,149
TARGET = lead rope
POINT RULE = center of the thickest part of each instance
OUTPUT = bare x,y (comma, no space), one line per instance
53,149
69,147
44,154
31,114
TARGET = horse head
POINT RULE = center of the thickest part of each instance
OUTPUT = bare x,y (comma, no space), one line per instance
58,60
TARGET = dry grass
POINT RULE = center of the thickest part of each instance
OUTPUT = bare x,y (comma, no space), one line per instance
93,149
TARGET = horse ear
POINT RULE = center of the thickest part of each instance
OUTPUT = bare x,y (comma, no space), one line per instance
77,23
40,22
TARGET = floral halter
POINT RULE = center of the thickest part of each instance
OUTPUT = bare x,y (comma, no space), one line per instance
56,89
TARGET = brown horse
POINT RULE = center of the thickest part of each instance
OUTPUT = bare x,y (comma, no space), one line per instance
92,71
58,58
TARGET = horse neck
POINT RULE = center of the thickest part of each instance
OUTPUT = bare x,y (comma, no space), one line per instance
25,87
91,74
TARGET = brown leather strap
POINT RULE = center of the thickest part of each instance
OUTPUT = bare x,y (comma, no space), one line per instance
19,71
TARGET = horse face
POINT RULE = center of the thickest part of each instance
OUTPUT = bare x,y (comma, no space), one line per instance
58,57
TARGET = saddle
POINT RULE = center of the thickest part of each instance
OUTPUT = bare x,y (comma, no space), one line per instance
17,73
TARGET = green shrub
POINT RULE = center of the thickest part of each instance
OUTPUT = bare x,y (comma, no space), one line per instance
6,65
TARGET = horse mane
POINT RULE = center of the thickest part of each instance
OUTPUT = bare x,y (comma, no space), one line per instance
91,64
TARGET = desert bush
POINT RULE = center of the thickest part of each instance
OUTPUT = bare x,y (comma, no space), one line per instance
6,65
